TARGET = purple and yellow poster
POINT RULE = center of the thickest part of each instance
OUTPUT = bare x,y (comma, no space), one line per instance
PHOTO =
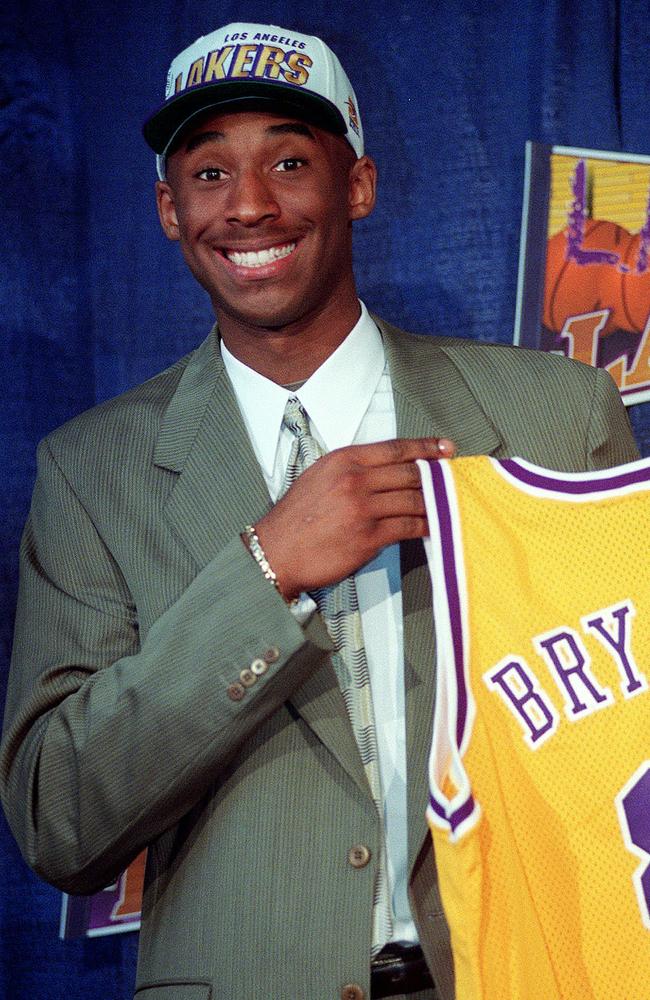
584,268
116,908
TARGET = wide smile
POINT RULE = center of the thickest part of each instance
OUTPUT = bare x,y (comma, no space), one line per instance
259,258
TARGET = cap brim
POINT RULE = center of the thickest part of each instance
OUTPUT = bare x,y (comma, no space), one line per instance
164,124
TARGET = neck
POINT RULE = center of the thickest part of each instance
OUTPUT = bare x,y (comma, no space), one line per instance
294,351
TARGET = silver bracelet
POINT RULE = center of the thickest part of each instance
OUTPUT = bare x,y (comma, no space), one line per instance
257,552
254,547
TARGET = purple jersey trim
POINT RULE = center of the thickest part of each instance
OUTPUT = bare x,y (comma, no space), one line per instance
437,808
458,816
453,595
637,473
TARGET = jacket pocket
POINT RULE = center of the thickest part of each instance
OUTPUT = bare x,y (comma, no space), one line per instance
175,989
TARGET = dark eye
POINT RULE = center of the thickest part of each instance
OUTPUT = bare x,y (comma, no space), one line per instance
211,174
290,163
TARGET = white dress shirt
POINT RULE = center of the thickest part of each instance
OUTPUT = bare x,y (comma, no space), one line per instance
349,400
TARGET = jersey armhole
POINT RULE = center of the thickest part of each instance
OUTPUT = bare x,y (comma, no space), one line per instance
451,804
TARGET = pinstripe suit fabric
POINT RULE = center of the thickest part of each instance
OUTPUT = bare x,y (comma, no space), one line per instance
139,606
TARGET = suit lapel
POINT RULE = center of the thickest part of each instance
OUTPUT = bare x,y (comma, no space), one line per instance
220,488
431,399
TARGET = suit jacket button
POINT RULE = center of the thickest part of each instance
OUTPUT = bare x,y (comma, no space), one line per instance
259,667
352,991
236,692
359,856
248,678
272,655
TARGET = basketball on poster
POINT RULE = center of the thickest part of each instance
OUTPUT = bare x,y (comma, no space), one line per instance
587,293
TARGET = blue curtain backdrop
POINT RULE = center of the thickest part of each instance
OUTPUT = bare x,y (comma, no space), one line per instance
95,300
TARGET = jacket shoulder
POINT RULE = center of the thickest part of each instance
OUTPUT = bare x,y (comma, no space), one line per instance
501,362
505,378
133,415
504,360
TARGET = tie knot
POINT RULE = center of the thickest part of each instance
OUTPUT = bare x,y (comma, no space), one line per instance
295,417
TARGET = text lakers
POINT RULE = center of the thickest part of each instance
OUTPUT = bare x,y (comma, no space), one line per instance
255,61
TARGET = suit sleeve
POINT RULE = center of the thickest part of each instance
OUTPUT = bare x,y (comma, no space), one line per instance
609,438
109,741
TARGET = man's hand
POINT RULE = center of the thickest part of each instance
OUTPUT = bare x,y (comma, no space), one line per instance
344,508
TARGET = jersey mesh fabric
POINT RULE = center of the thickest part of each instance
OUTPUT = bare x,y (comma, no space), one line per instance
540,887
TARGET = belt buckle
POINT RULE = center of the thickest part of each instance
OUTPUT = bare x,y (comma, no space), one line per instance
399,969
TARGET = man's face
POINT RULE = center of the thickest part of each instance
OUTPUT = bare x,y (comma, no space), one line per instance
262,206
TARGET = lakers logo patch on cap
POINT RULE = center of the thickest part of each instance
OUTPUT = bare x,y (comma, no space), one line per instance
281,69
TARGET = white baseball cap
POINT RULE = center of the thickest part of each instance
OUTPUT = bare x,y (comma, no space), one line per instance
256,65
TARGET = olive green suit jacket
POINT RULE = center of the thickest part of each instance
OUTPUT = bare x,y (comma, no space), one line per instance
139,607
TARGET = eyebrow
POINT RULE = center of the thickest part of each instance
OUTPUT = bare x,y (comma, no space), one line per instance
291,128
283,128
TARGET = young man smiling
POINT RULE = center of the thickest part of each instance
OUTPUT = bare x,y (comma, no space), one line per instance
262,208
174,683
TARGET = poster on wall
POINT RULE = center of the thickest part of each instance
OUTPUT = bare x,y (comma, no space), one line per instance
584,262
111,911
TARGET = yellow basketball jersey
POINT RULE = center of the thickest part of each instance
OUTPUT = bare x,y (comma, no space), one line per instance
540,763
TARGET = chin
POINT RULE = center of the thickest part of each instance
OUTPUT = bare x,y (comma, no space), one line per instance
264,318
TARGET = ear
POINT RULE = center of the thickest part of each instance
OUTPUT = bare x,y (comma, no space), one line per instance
362,188
167,210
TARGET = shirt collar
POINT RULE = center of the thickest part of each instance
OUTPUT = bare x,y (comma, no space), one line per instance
336,396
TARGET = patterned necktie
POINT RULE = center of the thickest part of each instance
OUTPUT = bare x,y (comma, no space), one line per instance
339,607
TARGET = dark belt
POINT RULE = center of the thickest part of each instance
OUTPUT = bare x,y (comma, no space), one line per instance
399,968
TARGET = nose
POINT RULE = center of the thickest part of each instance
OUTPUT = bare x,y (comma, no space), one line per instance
250,199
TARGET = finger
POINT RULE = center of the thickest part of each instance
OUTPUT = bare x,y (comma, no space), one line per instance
396,503
400,476
399,529
446,447
401,450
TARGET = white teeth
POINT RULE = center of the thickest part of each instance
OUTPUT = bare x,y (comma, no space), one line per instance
258,258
